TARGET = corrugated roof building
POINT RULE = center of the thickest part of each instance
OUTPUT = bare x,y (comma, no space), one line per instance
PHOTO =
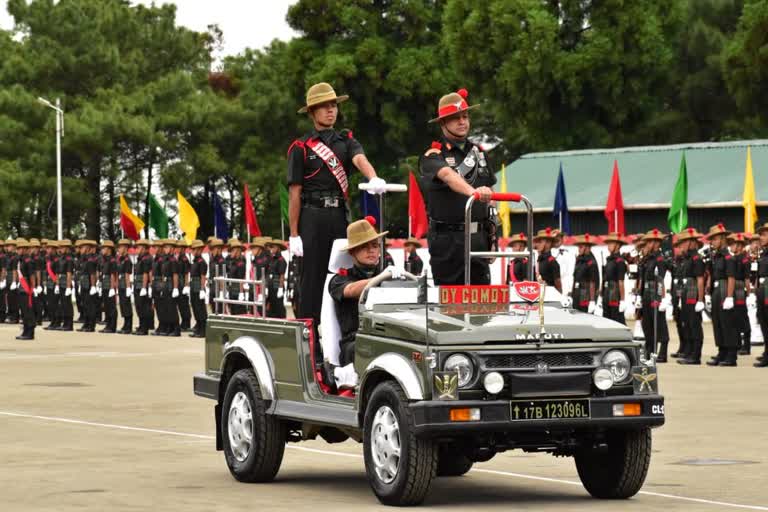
648,176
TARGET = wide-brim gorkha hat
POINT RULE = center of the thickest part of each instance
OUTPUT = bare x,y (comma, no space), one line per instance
108,243
687,234
279,243
143,242
124,241
360,233
197,244
739,238
21,243
216,242
90,243
413,241
260,241
518,238
762,228
34,243
653,235
234,243
10,242
319,94
754,237
64,243
586,239
451,104
718,229
545,234
614,237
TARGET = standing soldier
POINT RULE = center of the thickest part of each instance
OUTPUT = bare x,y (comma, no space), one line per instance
26,290
614,271
170,292
547,268
88,288
677,291
124,289
38,262
586,278
182,301
198,273
12,278
79,260
413,263
319,166
50,280
276,279
3,280
518,266
722,287
236,270
216,268
762,293
65,272
259,269
692,297
142,288
158,288
742,290
108,291
654,300
452,170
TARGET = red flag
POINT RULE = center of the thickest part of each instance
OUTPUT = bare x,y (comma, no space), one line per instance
417,211
250,215
614,207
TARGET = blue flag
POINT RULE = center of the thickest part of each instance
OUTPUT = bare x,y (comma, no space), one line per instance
369,205
560,210
219,220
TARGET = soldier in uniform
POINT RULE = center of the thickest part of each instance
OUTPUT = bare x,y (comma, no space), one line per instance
65,286
38,262
12,279
88,290
142,286
319,165
413,263
182,301
452,170
198,273
762,293
25,290
50,280
260,259
692,273
741,293
547,268
236,270
676,291
169,322
3,281
654,300
614,270
108,281
216,268
722,287
158,288
276,279
124,289
517,270
586,277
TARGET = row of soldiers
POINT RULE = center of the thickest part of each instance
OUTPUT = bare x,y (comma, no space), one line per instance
171,279
722,272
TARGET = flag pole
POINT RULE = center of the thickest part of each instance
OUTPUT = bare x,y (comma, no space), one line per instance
616,220
282,226
410,223
561,220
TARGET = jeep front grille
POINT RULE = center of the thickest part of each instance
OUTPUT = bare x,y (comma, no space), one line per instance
530,361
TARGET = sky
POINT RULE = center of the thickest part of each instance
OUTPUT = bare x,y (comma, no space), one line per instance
246,23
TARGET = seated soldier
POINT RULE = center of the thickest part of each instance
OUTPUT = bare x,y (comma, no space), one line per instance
348,284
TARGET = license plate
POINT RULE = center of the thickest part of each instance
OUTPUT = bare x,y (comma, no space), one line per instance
549,409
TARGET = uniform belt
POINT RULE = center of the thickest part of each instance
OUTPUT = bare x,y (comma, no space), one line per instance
453,227
323,201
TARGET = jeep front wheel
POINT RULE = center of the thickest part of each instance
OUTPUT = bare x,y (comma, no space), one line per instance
619,471
400,467
253,441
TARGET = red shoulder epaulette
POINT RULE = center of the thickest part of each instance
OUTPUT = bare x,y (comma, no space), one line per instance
436,145
349,134
695,257
727,256
619,260
298,143
660,258
551,258
342,272
589,262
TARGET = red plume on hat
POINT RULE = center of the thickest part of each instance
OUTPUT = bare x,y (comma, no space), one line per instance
371,220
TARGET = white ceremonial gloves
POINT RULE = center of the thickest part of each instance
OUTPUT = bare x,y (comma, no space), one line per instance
665,303
39,290
699,307
638,302
396,272
622,306
728,303
591,307
566,301
143,292
202,295
296,246
708,302
13,285
56,290
129,292
185,291
111,293
93,290
246,287
2,285
752,301
68,292
377,186
241,297
175,293
279,293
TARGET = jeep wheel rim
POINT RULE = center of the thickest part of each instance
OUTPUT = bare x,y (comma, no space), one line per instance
385,444
240,426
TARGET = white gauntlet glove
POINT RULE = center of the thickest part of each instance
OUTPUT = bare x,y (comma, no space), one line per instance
175,293
13,285
728,303
143,292
279,293
296,246
128,292
111,293
752,301
93,291
68,292
56,290
2,285
622,306
39,290
241,297
699,307
396,272
708,302
638,302
591,307
377,186
245,287
185,291
202,295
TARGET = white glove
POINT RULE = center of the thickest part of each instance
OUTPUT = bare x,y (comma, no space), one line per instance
40,290
2,285
296,246
663,305
56,290
638,302
260,298
143,292
377,186
101,292
728,303
708,302
591,307
14,285
752,301
279,293
202,295
185,291
149,292
94,291
699,307
128,292
241,297
222,295
111,293
34,292
396,272
175,293
622,306
245,287
566,301
68,292
98,285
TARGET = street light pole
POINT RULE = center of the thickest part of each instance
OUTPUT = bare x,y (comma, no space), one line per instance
59,134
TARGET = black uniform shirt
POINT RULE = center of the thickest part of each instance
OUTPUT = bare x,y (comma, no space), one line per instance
741,266
277,268
549,268
108,267
236,268
346,308
260,264
143,266
723,265
27,267
199,267
306,168
585,270
124,265
413,264
65,264
170,267
518,270
762,264
694,264
157,267
90,265
443,204
615,268
184,266
651,262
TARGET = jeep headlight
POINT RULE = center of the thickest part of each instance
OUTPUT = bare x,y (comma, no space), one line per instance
617,361
463,364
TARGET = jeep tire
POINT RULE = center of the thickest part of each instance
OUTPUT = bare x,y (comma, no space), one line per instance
452,461
253,441
619,471
400,466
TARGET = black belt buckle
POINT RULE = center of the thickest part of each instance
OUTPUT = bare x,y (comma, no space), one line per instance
330,202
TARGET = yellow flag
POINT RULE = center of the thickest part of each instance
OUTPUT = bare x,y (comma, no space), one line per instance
748,201
188,221
504,210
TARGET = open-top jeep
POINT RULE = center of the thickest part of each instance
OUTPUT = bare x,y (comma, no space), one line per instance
448,377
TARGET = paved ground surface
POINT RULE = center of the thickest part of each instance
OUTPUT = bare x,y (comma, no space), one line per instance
105,422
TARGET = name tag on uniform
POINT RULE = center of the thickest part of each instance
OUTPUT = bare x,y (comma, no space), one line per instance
450,161
331,202
753,266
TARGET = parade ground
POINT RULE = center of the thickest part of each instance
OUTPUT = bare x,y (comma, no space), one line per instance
108,422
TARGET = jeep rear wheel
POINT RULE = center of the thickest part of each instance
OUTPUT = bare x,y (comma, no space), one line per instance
400,467
451,461
253,441
619,471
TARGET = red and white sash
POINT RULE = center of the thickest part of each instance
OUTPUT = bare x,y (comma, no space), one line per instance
332,162
51,273
25,285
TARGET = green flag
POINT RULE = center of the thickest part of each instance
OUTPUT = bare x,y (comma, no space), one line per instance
677,218
158,219
284,202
